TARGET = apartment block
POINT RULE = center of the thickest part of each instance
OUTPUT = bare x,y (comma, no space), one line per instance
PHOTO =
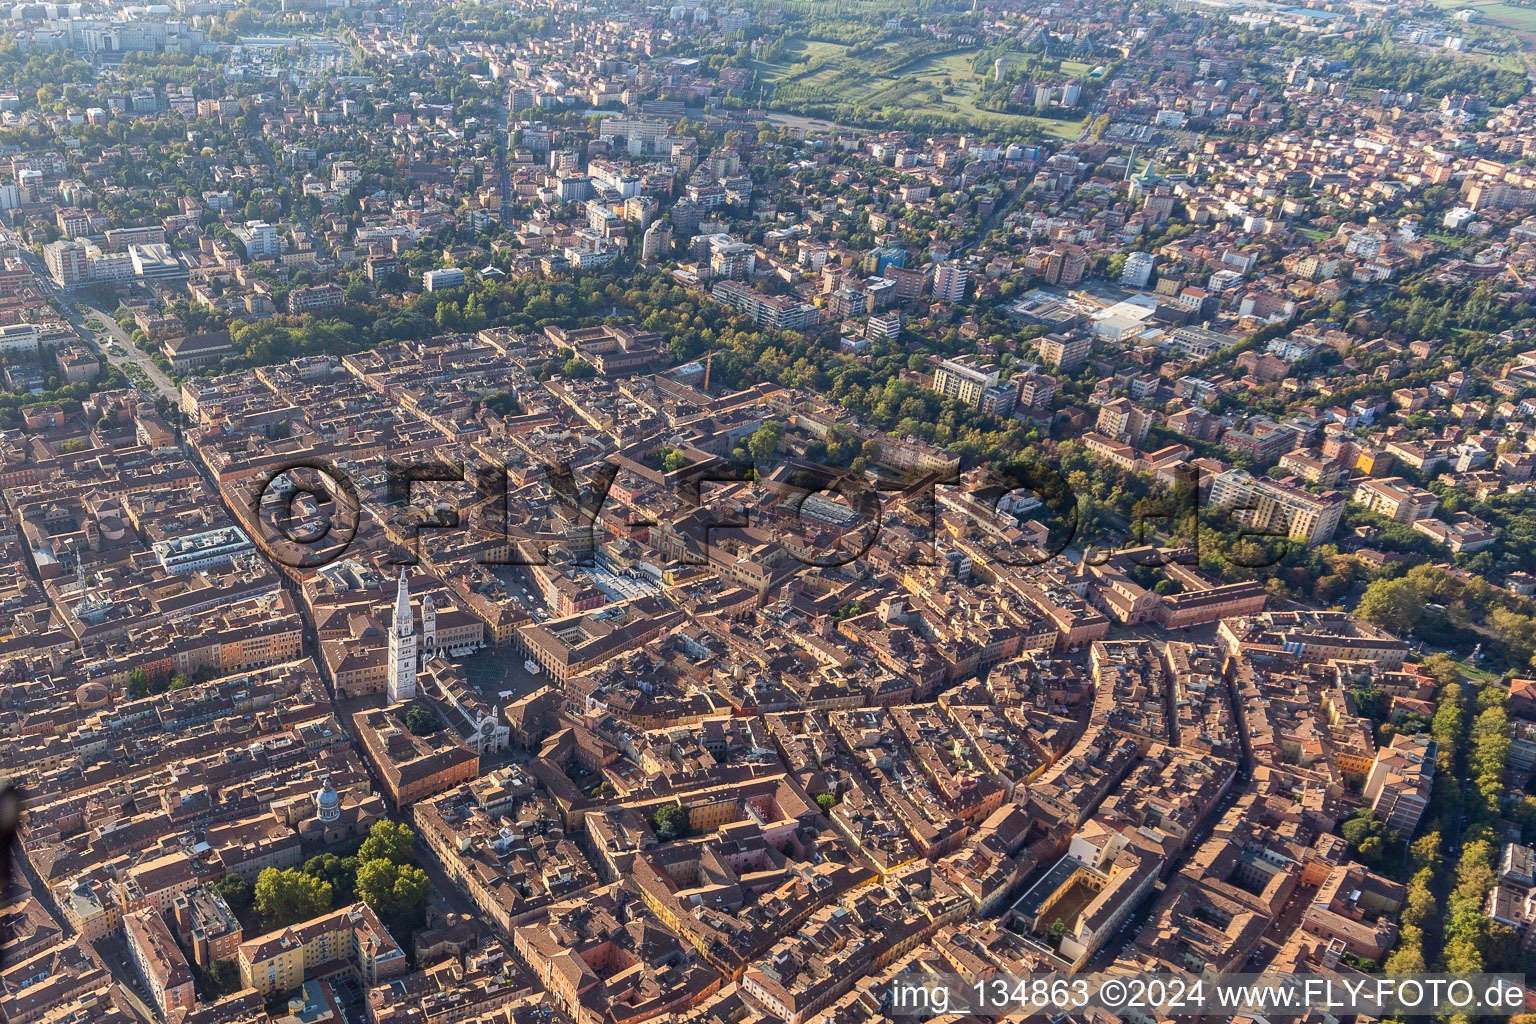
353,938
1065,351
1278,508
159,961
1397,499
1400,781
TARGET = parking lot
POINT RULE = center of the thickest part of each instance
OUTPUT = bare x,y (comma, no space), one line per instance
619,587
1202,634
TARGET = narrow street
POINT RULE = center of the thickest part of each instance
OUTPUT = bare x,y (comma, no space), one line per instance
116,958
112,953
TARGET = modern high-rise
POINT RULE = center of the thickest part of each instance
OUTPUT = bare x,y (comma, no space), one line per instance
964,381
950,281
68,261
401,686
260,239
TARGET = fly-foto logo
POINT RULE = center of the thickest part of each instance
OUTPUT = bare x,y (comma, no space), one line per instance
307,512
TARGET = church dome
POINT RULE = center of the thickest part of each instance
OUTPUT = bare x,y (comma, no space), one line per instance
328,804
92,695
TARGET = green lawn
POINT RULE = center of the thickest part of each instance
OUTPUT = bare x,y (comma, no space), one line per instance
1521,19
954,65
1067,130
1477,673
799,52
960,97
944,85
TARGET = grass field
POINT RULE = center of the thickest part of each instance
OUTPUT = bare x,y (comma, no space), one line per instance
801,53
1521,19
943,85
1477,673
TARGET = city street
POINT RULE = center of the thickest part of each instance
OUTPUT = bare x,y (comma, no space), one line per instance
114,954
128,354
160,384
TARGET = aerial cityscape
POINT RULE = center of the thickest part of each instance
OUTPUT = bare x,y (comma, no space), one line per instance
532,512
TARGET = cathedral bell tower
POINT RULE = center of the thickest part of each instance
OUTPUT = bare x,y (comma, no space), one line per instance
402,648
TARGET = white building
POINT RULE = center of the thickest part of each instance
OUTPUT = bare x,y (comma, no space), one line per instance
437,280
194,551
260,239
109,266
401,685
18,339
639,138
1138,270
1458,218
950,281
157,263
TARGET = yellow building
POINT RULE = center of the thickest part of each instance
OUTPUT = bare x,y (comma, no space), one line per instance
1373,462
280,961
261,647
89,909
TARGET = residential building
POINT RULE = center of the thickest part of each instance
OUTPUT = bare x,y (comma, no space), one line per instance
352,938
1138,270
950,281
963,380
1277,508
1067,351
440,280
1399,785
1396,499
1124,420
159,961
